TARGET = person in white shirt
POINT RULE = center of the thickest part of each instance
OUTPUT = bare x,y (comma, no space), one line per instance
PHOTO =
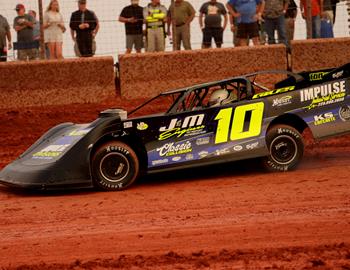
54,29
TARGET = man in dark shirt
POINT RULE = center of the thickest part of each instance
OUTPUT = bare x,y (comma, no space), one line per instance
290,15
132,16
84,23
23,24
4,32
212,11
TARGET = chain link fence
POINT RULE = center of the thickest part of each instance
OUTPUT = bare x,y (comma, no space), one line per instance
111,38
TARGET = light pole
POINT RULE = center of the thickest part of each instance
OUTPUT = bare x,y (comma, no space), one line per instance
173,24
42,42
308,19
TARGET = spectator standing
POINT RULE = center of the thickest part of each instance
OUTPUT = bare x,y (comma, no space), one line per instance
132,16
291,14
54,29
36,31
273,15
233,28
36,27
247,13
316,7
4,33
23,25
184,14
327,12
213,28
334,8
155,15
84,24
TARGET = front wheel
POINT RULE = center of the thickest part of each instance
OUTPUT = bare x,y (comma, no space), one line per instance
115,166
286,148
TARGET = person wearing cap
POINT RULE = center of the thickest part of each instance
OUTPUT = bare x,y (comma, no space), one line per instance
155,16
23,24
4,32
84,26
132,16
184,14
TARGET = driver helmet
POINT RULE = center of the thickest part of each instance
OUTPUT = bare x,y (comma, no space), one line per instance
221,97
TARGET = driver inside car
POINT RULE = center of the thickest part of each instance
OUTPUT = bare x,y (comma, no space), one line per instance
221,97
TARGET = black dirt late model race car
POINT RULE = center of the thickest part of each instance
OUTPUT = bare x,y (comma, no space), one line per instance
227,120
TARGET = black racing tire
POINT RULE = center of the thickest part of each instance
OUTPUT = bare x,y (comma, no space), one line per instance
114,166
286,148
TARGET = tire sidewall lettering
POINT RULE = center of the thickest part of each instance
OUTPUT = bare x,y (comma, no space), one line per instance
127,179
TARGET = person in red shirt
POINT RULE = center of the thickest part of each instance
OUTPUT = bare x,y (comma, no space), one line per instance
316,7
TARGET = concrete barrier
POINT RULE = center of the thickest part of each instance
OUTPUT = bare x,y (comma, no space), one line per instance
145,75
308,55
40,83
91,80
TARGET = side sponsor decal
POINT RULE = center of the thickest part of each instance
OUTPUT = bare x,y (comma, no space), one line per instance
252,146
317,76
238,148
190,126
324,94
51,151
79,132
324,118
338,74
127,124
203,141
344,113
142,126
159,161
203,154
172,149
274,92
59,146
189,157
278,102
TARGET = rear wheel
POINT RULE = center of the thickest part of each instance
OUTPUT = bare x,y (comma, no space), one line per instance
115,166
286,148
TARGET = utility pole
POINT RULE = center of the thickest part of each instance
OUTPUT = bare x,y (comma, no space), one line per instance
173,24
42,42
308,19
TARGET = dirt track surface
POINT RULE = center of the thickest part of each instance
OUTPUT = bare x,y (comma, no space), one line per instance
233,216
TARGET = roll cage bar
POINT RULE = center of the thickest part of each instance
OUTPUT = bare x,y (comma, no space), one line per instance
248,79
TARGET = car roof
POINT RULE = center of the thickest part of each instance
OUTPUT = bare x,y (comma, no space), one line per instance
244,77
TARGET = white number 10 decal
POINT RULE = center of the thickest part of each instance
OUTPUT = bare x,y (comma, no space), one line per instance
237,127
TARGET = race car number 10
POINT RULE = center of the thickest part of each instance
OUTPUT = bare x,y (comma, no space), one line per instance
242,127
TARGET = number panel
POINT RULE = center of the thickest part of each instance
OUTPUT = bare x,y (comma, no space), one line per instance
236,129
